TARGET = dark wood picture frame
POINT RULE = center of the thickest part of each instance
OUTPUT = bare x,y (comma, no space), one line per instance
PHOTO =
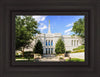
13,13
10,68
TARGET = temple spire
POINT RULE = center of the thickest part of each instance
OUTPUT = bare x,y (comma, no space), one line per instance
49,27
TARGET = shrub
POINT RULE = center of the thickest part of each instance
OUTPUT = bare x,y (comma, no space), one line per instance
18,56
28,55
66,54
61,58
80,47
82,50
68,51
38,48
60,47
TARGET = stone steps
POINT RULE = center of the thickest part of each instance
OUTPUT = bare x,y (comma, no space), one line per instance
48,55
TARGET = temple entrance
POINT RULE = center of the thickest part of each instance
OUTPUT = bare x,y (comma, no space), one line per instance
49,52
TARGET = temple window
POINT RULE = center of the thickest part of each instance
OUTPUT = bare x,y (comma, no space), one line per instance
51,42
46,43
72,42
51,50
46,50
77,42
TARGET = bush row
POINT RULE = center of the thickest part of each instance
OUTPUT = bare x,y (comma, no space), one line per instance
82,50
26,55
80,47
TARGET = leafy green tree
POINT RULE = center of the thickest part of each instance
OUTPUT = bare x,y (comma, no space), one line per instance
79,28
38,48
60,47
26,27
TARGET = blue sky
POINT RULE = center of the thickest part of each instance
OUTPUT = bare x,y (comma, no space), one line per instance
59,23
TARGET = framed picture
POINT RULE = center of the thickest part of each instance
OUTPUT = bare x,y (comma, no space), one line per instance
50,43
34,41
39,39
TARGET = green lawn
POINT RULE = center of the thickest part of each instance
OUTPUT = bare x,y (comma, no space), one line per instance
20,58
75,60
24,59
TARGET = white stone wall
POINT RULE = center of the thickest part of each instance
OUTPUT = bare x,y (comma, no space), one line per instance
80,55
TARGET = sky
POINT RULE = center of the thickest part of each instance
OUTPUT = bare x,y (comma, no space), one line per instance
59,23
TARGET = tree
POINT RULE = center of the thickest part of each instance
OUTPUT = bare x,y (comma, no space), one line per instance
79,28
38,48
60,47
26,27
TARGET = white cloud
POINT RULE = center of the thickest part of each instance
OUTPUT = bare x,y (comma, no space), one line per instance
39,18
68,31
42,26
70,25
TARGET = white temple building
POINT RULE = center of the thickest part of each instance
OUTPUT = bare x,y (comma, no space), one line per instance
50,39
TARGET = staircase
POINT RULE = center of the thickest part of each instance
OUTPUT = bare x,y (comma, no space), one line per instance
49,55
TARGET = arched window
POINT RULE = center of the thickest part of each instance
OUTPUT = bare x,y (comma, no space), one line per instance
74,42
51,42
46,43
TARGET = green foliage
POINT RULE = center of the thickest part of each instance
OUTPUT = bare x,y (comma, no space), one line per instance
38,48
61,58
26,27
28,55
68,51
82,50
24,60
74,60
18,56
80,47
60,47
79,28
